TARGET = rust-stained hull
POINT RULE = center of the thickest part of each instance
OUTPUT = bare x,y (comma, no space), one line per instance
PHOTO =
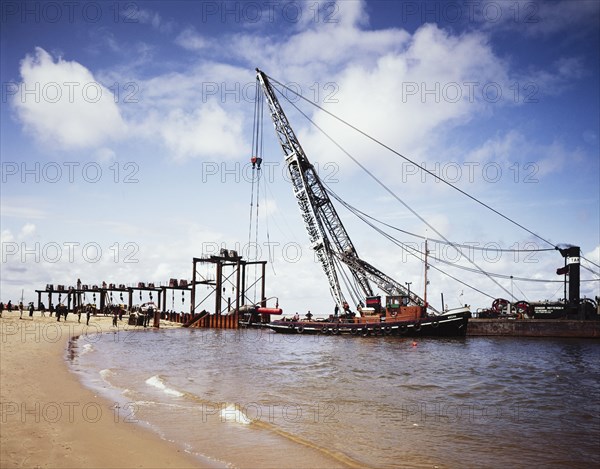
533,328
215,321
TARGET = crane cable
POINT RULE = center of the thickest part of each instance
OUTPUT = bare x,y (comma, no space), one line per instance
256,159
410,161
357,213
392,193
409,248
439,241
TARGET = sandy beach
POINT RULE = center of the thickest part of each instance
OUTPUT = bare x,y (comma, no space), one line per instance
49,419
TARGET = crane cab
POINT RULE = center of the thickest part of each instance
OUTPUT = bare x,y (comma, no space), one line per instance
398,308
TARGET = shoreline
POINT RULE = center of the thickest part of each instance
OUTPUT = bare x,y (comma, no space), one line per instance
48,418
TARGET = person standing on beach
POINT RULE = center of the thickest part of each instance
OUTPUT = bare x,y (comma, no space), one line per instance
31,309
88,313
1,308
21,309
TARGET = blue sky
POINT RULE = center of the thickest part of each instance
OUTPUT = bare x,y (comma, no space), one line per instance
126,133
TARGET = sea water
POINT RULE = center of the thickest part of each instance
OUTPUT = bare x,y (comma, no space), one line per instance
253,398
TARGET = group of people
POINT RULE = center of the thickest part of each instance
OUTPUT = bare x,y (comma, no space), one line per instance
335,317
9,307
89,310
61,310
308,316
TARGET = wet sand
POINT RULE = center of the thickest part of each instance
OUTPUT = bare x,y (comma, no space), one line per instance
49,419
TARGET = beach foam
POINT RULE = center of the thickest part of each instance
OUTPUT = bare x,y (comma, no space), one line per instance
157,382
106,374
232,413
86,349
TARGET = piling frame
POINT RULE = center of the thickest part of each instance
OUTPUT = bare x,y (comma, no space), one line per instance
230,269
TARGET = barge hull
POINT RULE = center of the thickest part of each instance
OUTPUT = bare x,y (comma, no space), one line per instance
533,328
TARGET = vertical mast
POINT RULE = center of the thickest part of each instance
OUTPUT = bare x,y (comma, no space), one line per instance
426,269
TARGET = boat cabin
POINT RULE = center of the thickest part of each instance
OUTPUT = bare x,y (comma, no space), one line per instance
396,309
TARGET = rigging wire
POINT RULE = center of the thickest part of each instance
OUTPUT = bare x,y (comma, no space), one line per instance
359,214
270,254
392,193
410,161
517,287
352,290
259,147
588,269
555,293
257,152
591,262
451,243
253,152
408,249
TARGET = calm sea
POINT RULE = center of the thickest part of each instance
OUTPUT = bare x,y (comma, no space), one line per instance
252,398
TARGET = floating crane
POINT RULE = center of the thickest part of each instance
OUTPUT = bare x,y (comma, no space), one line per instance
404,312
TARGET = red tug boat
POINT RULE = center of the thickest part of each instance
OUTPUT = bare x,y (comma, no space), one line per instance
397,318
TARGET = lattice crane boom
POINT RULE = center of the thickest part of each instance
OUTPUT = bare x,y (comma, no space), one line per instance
326,232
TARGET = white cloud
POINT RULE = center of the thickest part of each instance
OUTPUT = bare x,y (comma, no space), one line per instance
191,40
105,155
505,149
208,132
6,236
60,103
27,230
410,95
22,207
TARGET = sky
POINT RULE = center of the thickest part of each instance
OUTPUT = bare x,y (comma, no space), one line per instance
127,127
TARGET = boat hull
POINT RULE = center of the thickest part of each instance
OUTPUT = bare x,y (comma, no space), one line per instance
448,325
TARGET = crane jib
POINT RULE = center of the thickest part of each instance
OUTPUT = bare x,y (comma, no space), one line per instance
327,234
